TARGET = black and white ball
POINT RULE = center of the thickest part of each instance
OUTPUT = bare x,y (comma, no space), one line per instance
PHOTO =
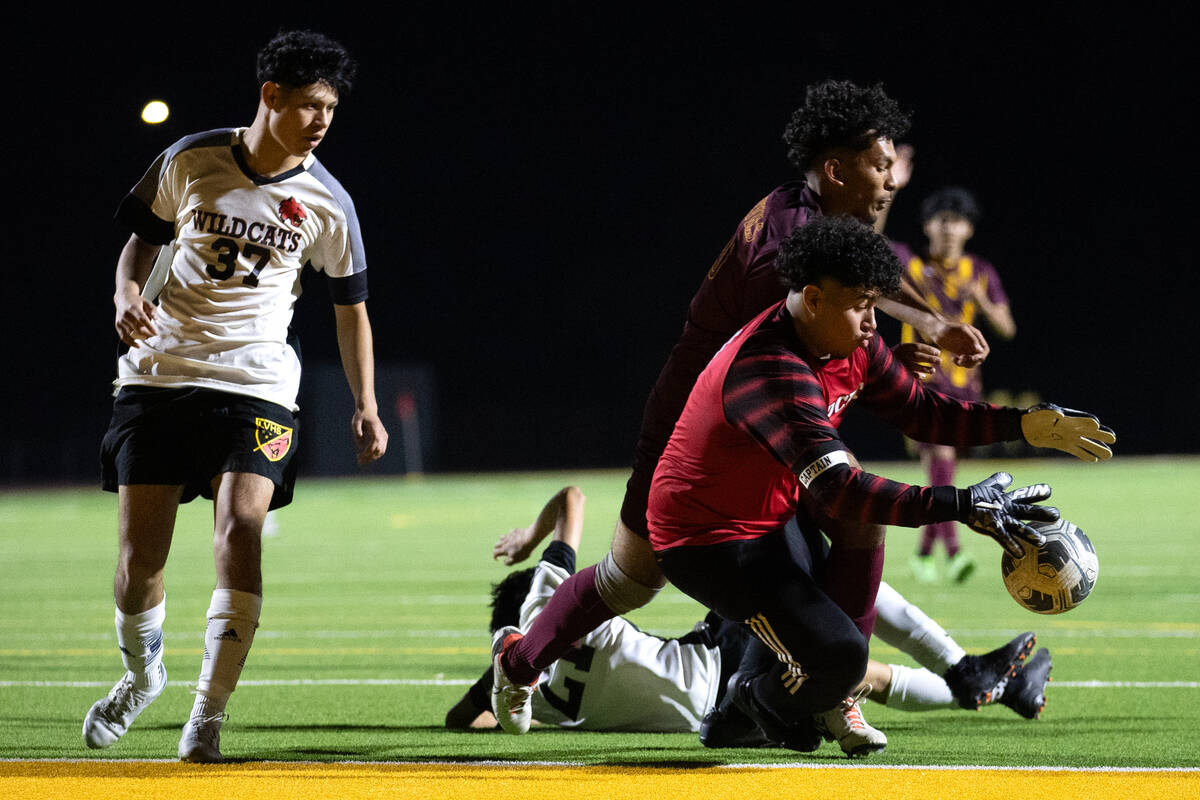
1057,576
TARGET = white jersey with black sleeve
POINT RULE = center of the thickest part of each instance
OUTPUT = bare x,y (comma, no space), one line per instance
240,243
619,678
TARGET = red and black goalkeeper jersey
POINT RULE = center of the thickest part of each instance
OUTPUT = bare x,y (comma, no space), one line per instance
761,427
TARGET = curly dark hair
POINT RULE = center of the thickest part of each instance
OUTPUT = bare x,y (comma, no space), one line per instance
841,114
507,597
841,248
298,58
954,199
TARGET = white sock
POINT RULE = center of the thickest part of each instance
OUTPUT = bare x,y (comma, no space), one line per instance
232,620
918,690
908,629
140,639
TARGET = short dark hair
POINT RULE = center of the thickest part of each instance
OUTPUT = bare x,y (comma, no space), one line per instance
841,114
299,58
507,597
954,199
841,248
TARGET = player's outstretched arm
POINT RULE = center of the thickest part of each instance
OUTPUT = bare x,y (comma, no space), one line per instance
1074,432
966,342
988,509
135,315
562,515
999,315
355,345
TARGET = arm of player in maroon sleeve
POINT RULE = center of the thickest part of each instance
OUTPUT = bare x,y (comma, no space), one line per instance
893,394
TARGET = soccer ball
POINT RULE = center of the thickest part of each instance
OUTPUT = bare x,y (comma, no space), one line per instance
1057,576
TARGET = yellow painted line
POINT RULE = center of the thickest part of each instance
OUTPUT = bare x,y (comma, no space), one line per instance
278,781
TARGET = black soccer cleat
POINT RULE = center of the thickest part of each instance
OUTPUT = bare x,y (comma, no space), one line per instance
801,736
1026,691
727,725
973,679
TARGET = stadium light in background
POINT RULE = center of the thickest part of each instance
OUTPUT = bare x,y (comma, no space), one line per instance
156,111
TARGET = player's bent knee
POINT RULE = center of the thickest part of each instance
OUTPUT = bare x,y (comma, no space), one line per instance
619,591
855,655
845,656
635,557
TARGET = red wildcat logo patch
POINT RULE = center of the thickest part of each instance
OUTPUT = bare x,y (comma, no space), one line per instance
293,212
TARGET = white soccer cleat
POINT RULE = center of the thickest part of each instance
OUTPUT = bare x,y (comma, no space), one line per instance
510,702
845,724
108,719
201,739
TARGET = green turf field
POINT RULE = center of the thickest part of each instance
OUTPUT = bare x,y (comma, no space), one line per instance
374,623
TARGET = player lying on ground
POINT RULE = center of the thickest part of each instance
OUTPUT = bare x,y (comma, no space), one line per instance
207,389
758,445
840,143
621,679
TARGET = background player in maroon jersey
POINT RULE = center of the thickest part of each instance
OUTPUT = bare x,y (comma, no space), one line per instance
840,142
961,286
758,444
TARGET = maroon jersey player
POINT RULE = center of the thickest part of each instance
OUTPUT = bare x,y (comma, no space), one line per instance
840,140
758,444
961,286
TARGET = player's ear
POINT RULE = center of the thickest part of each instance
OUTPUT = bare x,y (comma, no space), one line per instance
810,297
833,171
271,95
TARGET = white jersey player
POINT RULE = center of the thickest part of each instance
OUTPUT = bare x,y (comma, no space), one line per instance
241,242
620,678
222,225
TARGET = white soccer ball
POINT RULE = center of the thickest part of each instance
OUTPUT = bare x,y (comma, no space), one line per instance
1055,577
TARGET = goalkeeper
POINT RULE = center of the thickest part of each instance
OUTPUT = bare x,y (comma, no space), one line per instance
758,443
621,679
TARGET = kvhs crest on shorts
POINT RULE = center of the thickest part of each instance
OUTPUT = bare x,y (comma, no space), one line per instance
273,439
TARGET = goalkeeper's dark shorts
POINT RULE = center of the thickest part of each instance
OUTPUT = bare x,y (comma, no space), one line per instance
188,436
772,584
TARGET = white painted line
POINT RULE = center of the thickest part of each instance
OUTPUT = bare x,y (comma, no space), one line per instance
292,682
1182,631
469,681
1125,684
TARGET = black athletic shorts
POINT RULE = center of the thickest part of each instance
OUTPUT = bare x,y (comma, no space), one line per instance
188,436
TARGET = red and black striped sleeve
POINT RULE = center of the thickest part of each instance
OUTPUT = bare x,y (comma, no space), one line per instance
773,396
893,394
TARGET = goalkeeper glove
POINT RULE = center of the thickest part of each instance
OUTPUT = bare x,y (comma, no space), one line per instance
1074,432
987,509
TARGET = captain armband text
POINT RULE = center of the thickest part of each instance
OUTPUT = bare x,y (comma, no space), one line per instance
822,465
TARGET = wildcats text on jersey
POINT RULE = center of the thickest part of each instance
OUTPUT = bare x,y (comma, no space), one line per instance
264,233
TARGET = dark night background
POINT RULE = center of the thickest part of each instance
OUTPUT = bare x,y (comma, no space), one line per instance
541,192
